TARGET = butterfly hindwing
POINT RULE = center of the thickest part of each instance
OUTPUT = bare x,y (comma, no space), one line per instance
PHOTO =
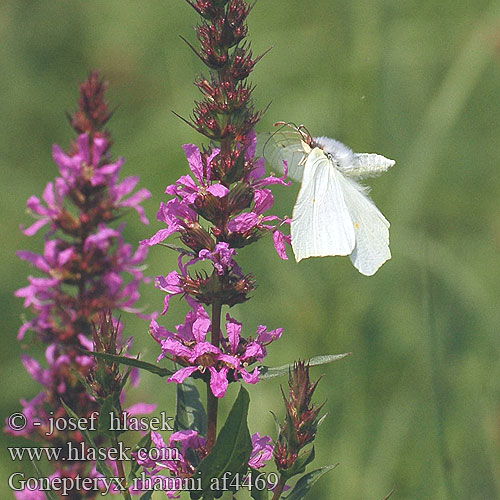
370,226
321,224
283,145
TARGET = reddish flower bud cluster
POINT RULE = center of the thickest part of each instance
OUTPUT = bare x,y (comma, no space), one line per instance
104,378
230,289
301,419
92,113
226,112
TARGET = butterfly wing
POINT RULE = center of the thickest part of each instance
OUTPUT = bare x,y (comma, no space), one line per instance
284,144
367,165
370,226
321,224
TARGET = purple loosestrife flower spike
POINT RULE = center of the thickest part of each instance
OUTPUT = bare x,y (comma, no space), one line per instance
86,268
224,204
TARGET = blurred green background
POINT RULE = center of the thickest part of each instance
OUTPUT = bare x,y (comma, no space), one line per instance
417,405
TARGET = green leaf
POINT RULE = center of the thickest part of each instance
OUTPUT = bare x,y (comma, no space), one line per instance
48,493
259,494
143,365
190,413
100,465
276,422
300,464
278,371
104,421
144,443
82,380
230,452
147,495
306,482
178,249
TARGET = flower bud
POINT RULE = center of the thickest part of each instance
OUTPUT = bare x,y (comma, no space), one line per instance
240,197
195,237
301,418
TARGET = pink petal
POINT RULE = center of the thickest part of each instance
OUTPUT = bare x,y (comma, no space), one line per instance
243,222
193,156
259,170
218,381
125,187
250,378
233,329
182,374
141,409
218,190
203,348
158,237
263,199
201,326
100,145
158,332
279,240
33,229
211,156
175,348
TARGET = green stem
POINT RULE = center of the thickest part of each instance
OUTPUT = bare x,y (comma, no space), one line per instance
279,488
121,471
212,401
436,370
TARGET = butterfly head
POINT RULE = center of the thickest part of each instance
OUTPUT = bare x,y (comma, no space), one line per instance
308,142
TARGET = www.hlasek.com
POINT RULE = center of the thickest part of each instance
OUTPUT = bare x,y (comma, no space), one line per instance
79,452
65,485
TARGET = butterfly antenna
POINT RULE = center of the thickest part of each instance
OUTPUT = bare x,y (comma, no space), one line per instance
306,135
288,124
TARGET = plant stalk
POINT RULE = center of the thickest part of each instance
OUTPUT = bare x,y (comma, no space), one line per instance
279,488
121,472
212,401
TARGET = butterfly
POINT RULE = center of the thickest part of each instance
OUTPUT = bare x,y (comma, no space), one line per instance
333,214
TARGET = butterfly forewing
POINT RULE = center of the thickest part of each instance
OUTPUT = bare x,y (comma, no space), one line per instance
321,224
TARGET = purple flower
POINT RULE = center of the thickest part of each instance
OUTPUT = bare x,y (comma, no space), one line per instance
262,451
280,239
118,191
220,365
176,458
34,411
186,188
49,213
171,285
87,164
263,201
256,175
222,258
177,215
